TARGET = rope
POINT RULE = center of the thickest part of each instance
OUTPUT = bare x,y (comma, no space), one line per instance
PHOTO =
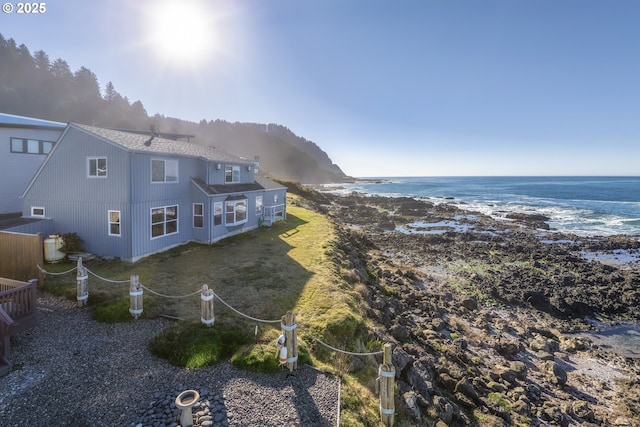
247,316
375,353
42,270
107,280
170,296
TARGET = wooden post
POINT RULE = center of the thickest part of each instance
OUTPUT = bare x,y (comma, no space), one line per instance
81,283
206,296
387,374
135,295
289,325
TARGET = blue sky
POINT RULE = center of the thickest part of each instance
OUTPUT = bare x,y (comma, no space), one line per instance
386,88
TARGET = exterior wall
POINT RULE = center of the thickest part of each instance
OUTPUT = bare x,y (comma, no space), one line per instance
147,195
201,235
78,203
219,232
44,227
18,168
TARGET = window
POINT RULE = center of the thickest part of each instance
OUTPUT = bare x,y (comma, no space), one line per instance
97,167
30,146
33,146
164,170
275,199
198,215
259,205
164,221
114,223
231,174
37,211
217,213
235,212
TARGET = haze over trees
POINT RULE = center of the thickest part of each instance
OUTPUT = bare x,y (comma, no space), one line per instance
36,85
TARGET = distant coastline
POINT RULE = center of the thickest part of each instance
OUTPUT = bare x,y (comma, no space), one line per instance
586,206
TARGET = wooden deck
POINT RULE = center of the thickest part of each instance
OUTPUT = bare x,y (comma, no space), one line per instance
17,313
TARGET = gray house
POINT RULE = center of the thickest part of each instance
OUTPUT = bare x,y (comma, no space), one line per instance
130,195
24,144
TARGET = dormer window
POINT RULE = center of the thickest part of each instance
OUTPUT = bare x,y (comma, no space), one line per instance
231,174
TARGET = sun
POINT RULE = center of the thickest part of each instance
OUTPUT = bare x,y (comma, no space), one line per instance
182,32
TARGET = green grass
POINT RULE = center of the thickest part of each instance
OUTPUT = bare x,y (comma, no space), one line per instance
263,273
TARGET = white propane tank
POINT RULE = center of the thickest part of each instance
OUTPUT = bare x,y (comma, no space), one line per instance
52,246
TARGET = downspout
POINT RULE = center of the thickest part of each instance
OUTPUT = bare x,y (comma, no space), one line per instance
130,208
210,205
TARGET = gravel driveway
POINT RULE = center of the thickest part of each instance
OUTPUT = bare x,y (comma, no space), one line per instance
72,371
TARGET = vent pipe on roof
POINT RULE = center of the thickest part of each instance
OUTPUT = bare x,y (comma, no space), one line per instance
153,135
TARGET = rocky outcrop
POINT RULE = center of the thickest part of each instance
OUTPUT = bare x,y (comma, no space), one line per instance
481,320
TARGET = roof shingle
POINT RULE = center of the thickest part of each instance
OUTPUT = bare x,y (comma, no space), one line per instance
136,142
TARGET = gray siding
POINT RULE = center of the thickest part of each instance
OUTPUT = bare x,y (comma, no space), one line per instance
78,203
64,175
90,221
45,227
18,168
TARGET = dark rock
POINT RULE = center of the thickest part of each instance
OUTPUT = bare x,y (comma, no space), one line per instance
470,304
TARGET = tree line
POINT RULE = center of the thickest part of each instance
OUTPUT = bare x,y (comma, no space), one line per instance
36,86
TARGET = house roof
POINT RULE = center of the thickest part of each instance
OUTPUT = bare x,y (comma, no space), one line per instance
261,183
11,120
147,144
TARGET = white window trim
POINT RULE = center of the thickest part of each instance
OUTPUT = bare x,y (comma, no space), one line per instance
37,207
164,222
218,209
96,158
166,161
200,216
233,168
234,203
259,206
109,222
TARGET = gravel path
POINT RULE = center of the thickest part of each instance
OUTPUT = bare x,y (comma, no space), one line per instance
72,371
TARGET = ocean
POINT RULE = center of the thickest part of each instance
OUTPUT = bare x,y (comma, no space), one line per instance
586,206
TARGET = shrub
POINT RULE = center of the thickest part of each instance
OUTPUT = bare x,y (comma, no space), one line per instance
71,242
192,345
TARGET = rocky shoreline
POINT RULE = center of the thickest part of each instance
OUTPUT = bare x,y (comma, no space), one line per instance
483,313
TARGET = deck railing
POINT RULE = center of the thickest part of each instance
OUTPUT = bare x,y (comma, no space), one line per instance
274,213
17,313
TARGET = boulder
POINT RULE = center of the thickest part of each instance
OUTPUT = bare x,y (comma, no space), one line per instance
465,387
411,400
556,372
470,304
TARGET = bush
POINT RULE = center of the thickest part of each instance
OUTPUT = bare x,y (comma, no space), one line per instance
71,242
264,357
192,345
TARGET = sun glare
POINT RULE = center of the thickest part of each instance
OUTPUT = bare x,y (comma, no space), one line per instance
182,32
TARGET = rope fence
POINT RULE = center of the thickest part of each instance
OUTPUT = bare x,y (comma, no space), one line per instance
287,342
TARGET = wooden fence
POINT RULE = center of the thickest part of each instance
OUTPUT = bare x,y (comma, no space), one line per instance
17,314
20,254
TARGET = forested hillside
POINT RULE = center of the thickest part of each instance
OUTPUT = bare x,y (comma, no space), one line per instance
37,86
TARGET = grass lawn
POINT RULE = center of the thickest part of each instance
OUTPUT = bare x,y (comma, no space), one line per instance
262,273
